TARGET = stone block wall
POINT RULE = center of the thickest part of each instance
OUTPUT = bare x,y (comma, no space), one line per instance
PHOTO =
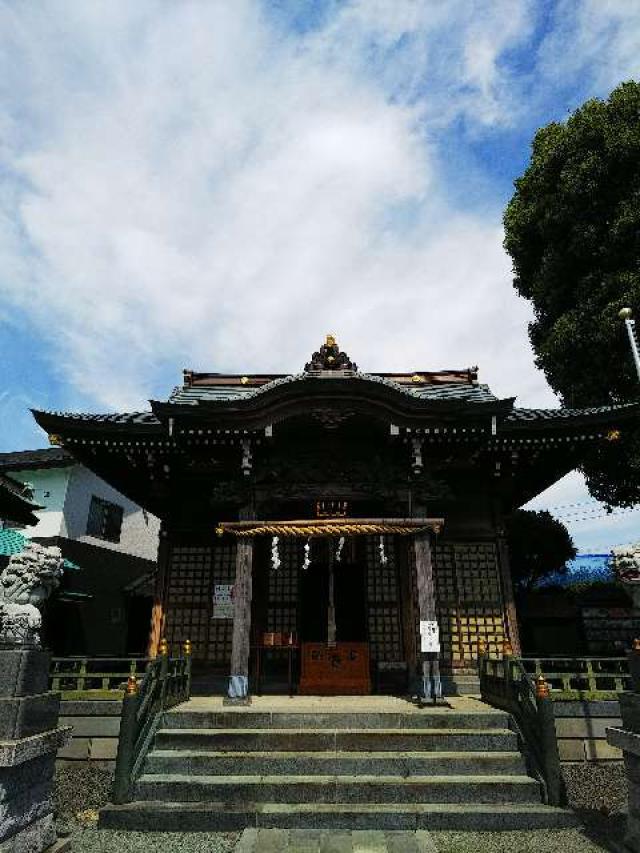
29,739
96,726
581,729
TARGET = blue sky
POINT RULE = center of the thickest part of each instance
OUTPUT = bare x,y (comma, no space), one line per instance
217,185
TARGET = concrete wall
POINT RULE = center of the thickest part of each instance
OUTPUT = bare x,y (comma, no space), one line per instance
65,495
140,530
96,725
50,492
580,729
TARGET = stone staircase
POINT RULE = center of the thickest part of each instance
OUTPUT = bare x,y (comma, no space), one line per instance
437,768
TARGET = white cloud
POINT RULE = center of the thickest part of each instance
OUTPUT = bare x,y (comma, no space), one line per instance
594,41
191,183
187,184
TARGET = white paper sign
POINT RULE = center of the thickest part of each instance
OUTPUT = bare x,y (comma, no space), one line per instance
429,636
222,601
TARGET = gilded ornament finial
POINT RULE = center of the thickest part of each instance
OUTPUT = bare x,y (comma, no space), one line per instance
186,648
542,688
613,435
55,439
330,357
482,647
163,647
132,686
507,649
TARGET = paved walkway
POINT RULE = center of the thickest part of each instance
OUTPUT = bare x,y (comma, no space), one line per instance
519,841
312,841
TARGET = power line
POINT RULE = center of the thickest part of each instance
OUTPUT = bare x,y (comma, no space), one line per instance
579,518
591,502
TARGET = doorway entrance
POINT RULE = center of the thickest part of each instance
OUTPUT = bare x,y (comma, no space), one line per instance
333,628
346,592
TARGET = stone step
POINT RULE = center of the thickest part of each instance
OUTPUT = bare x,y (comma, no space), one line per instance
338,789
330,763
245,719
224,816
350,740
460,685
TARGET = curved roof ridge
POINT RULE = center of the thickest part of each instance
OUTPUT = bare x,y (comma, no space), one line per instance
524,413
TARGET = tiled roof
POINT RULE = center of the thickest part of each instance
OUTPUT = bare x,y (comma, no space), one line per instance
192,395
109,418
14,506
470,393
46,457
524,415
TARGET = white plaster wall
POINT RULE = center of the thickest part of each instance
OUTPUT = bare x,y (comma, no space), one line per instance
139,535
49,491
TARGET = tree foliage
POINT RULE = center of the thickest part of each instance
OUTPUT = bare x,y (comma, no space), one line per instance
539,546
573,232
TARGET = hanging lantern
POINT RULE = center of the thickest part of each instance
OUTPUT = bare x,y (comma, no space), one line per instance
275,554
383,556
339,549
307,555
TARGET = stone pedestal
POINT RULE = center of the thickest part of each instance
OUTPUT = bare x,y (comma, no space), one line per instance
29,739
627,739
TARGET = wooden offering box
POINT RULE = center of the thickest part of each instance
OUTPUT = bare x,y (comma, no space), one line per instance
342,669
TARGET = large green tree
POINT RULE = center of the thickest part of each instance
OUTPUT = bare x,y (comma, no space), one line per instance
573,233
539,546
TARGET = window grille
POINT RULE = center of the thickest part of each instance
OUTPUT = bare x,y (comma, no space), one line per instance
104,520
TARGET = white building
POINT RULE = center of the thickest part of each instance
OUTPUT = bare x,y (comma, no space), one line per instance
102,607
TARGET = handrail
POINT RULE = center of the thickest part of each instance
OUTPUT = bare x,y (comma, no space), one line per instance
571,673
506,684
166,683
79,673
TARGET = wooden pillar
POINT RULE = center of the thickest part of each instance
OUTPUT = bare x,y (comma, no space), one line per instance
511,618
240,646
158,615
331,608
407,608
431,682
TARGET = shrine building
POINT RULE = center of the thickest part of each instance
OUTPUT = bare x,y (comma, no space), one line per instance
351,524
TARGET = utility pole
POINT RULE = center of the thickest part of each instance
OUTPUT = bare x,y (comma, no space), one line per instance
626,314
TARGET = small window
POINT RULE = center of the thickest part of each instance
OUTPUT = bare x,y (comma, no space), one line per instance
105,520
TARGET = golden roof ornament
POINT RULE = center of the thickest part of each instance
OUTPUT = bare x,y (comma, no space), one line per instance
329,357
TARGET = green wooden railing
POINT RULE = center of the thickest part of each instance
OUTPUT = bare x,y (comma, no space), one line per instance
166,683
505,684
581,677
78,676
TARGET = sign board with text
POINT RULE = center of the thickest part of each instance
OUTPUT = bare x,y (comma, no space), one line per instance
429,636
222,601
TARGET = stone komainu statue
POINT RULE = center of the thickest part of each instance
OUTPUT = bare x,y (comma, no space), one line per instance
25,584
625,563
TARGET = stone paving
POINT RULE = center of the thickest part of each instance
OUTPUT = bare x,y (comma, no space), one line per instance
332,705
309,841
